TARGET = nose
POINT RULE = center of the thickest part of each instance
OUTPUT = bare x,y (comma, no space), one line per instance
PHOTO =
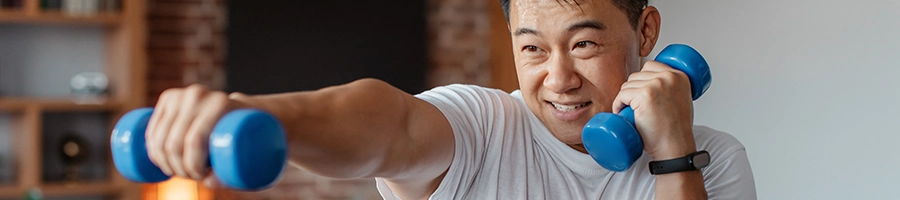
562,77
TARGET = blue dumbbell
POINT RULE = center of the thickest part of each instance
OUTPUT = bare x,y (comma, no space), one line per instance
612,140
247,149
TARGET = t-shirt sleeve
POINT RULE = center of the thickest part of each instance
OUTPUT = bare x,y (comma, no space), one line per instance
471,111
728,175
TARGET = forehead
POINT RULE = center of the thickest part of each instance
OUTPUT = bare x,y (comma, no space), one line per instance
544,13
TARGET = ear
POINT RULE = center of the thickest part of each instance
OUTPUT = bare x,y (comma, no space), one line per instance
648,28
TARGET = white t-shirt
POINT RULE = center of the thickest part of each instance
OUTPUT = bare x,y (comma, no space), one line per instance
504,152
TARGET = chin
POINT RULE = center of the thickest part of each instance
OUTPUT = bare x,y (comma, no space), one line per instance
568,135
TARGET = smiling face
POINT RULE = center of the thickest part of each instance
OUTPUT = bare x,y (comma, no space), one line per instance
571,60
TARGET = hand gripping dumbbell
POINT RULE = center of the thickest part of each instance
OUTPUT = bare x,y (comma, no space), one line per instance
247,149
612,140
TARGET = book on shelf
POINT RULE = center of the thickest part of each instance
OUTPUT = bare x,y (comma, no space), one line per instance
11,4
83,6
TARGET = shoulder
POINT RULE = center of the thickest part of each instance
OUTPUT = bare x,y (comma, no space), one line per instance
728,175
463,98
715,140
461,92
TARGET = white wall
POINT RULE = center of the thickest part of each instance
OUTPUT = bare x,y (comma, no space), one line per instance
810,87
39,60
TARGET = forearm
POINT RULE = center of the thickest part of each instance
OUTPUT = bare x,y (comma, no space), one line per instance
342,131
680,185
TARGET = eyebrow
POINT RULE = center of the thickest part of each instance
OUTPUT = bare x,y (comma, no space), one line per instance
523,31
590,24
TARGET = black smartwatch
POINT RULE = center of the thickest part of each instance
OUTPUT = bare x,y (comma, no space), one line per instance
690,162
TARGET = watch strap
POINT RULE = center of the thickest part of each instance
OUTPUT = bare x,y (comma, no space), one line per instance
674,165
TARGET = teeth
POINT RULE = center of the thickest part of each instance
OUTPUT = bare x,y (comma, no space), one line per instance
566,108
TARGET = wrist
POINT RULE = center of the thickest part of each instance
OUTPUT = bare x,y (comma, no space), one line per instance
671,153
681,185
670,150
240,100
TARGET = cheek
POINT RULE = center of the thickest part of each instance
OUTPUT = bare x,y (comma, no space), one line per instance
606,78
529,75
605,73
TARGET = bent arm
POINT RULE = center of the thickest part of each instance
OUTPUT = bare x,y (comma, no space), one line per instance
363,129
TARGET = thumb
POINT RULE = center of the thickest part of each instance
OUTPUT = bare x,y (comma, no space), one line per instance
210,181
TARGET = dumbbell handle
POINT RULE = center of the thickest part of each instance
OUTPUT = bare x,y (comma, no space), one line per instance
247,149
612,140
676,56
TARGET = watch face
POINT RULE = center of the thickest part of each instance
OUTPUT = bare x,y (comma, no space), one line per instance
700,160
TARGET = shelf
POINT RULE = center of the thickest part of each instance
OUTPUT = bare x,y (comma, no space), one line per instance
56,104
57,17
113,41
10,190
65,190
11,11
80,189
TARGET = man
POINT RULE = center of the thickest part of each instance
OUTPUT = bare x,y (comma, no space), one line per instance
573,60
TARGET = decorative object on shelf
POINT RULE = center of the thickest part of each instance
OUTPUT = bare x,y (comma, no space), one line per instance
87,7
33,194
74,150
89,87
51,4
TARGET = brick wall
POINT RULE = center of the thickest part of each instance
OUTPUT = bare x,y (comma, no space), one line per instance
458,42
187,46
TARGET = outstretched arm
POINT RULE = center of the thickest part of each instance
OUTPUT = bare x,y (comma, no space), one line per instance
366,128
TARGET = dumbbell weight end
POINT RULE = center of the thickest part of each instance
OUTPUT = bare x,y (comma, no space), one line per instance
247,149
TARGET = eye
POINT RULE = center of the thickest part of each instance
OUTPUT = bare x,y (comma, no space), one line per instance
584,44
531,48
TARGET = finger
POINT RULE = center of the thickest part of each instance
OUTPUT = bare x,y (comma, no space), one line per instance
627,97
644,75
633,84
149,134
196,150
211,181
654,66
658,70
174,146
161,126
154,118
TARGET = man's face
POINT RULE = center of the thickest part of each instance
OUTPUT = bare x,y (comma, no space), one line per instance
571,60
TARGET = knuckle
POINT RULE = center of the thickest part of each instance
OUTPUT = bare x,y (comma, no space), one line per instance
647,92
632,76
670,75
194,92
196,87
235,95
657,82
170,92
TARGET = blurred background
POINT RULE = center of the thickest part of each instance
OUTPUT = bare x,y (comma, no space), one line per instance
807,86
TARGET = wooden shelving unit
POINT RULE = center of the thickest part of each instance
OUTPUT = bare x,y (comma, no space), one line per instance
126,63
58,104
57,17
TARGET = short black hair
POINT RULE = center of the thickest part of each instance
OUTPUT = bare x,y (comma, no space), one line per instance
632,8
